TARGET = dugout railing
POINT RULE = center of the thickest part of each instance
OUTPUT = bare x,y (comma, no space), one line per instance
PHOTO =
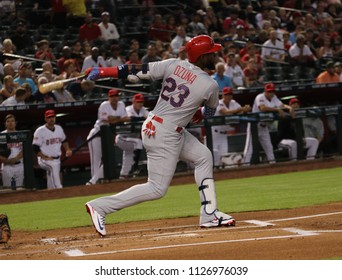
112,156
110,161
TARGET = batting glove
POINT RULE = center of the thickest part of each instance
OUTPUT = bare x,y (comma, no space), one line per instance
93,73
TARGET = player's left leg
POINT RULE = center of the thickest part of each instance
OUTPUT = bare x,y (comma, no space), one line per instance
200,155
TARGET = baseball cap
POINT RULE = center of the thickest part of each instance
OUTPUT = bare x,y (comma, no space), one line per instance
49,113
114,92
227,90
138,98
269,87
105,14
294,100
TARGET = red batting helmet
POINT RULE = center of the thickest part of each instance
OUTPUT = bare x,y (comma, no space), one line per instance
200,45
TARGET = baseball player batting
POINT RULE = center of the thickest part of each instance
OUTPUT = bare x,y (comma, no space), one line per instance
186,86
12,166
47,142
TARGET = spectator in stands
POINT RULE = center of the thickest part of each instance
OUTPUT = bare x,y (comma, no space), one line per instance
62,94
329,75
171,26
44,51
43,98
76,53
21,38
179,40
116,59
76,12
59,14
302,59
234,71
251,52
66,54
8,47
89,31
133,58
9,70
273,55
158,30
251,74
232,21
109,31
93,60
264,102
23,77
326,51
227,106
338,70
196,27
8,88
135,46
69,69
221,79
211,21
287,135
81,89
151,55
17,99
47,71
28,98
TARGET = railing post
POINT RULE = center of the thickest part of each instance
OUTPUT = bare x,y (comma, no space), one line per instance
108,156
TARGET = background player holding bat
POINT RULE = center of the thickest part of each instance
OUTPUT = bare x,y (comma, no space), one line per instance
186,86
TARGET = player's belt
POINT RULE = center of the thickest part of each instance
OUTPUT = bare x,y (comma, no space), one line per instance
160,120
55,157
221,132
263,125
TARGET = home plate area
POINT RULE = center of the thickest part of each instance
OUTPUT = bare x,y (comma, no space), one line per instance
306,233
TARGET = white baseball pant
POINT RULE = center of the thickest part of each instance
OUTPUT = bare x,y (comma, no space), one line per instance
163,152
310,143
220,145
53,168
264,140
127,145
13,170
95,151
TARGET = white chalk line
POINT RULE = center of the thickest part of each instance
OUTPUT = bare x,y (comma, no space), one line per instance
297,232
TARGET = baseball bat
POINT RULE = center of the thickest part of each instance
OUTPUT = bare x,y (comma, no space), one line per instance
45,88
11,55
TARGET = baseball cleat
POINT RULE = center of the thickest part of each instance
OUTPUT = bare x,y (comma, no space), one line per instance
99,221
219,219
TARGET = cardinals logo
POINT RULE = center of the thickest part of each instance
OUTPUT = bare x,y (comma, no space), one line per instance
150,129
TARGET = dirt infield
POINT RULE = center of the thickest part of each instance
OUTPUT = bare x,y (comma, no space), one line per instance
303,233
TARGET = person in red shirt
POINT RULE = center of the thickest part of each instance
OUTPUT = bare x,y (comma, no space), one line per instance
233,21
89,31
251,52
44,51
158,30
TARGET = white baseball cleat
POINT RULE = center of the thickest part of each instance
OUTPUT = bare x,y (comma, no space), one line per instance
99,221
218,219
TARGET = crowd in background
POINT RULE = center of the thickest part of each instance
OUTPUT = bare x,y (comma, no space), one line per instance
278,41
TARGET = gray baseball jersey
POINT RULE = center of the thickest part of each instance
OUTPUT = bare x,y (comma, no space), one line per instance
185,88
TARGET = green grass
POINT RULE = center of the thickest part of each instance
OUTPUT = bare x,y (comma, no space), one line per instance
282,191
